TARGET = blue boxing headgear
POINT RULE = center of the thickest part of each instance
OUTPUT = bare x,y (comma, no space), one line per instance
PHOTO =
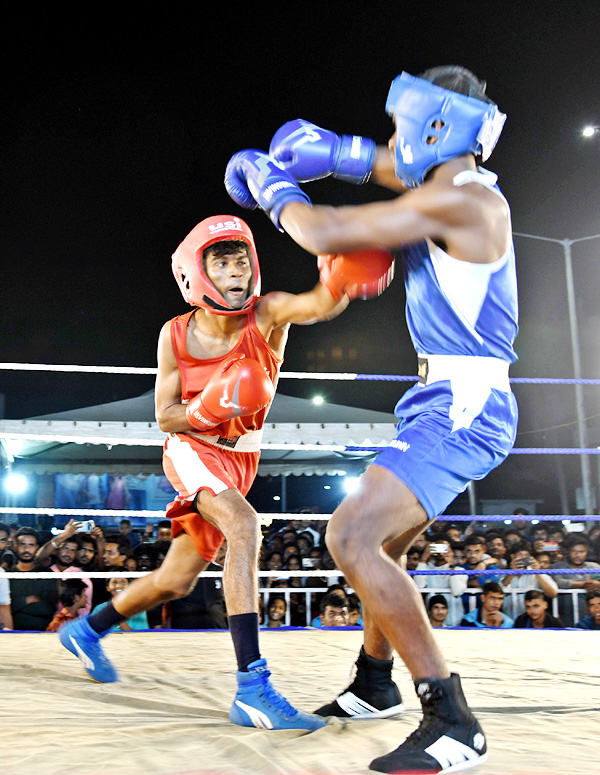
469,125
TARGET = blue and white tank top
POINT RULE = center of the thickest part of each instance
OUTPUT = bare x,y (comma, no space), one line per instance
460,308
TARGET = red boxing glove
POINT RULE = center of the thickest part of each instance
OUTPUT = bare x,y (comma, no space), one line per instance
359,274
241,386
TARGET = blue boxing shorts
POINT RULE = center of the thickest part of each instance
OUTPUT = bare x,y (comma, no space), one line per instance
450,431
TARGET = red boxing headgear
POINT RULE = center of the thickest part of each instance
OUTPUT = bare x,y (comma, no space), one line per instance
188,264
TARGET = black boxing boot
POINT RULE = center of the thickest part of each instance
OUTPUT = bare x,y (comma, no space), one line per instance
372,694
448,739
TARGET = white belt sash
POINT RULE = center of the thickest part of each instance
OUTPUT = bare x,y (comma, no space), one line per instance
471,380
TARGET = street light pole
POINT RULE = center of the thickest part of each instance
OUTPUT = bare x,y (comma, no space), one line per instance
579,403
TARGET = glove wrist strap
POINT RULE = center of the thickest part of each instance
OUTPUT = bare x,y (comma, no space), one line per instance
355,159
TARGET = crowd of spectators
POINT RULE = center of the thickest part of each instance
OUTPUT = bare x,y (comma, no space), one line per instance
496,598
43,603
489,600
456,599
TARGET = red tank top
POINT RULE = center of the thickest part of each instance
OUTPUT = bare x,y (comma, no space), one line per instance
195,372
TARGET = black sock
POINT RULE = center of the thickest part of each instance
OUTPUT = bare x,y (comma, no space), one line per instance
244,634
105,619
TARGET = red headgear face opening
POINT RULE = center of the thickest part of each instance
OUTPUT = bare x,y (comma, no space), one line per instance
188,265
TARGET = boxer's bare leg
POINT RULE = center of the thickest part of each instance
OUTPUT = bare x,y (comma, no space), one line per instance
382,510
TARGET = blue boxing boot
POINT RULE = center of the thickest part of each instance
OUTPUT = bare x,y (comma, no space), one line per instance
80,638
257,704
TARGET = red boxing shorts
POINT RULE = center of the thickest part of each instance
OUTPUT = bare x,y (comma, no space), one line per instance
191,465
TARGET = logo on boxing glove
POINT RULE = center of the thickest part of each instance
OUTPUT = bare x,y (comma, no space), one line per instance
234,403
308,132
279,186
201,418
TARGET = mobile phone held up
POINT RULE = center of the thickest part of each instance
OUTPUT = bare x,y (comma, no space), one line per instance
85,527
438,548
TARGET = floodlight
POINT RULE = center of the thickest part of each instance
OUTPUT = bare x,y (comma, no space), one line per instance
15,484
351,484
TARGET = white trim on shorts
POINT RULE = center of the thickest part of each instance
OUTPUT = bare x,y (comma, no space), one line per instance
192,472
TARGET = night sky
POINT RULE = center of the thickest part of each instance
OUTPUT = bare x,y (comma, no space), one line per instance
115,136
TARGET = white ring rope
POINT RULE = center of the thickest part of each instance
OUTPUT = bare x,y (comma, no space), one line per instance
217,574
114,441
69,368
109,441
153,370
269,516
265,519
83,512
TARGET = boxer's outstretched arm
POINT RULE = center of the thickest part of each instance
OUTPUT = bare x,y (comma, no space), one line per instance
303,308
343,276
471,221
322,229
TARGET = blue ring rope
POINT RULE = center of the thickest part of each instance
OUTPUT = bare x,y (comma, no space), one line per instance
516,380
514,451
518,517
505,572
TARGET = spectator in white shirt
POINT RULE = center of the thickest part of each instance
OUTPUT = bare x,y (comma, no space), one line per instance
442,558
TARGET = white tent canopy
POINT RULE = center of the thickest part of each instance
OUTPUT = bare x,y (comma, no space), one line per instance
122,437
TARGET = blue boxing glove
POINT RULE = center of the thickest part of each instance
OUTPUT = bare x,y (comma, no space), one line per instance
308,153
252,178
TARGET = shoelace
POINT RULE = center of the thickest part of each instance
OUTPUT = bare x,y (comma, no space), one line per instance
275,699
426,727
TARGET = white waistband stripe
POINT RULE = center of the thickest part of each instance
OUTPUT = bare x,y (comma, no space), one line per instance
491,372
